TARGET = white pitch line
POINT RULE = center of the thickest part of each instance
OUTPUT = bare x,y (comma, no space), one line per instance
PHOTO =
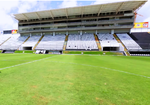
104,68
24,63
76,64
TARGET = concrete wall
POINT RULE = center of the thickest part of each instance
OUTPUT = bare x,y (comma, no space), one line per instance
122,31
104,31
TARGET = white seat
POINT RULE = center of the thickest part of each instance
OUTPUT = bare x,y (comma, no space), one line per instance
82,42
129,42
14,42
50,42
32,41
108,40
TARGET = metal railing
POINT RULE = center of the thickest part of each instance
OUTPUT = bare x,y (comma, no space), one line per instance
81,23
77,28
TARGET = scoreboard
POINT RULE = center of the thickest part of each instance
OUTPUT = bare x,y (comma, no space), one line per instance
10,31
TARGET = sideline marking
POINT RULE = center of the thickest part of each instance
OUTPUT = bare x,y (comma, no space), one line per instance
75,64
25,63
103,68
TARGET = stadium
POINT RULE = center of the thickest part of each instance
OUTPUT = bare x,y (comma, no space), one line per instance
87,55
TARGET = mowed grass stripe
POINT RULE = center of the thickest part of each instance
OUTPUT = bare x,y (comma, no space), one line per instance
48,82
101,68
135,65
25,63
7,60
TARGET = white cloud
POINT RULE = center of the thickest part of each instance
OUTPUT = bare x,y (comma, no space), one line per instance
25,6
8,7
68,3
6,21
144,10
43,6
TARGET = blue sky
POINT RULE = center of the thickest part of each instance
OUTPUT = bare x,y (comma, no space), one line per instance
9,7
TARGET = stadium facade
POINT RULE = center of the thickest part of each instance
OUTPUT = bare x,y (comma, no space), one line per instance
112,17
102,27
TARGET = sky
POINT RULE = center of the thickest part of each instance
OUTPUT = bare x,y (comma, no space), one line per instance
10,7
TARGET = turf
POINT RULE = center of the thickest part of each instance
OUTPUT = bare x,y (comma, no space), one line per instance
92,52
19,51
74,80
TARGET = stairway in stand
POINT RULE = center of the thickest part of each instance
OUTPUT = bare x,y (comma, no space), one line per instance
38,42
65,43
97,42
25,41
5,41
119,41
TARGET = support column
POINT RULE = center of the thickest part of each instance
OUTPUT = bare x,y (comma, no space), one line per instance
96,32
30,34
53,33
41,34
112,31
67,33
130,31
80,32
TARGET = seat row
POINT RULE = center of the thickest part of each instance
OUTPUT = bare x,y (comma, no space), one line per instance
108,40
129,42
50,42
81,42
14,42
75,41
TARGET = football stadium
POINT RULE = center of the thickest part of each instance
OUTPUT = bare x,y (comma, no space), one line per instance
85,55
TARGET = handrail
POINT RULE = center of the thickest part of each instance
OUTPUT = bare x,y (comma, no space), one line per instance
79,28
82,23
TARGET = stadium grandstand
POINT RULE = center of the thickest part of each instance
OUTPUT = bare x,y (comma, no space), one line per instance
102,27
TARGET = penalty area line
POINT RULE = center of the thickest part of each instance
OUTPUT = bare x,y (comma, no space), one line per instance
25,63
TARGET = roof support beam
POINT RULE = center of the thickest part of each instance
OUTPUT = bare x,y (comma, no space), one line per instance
139,6
100,9
38,15
51,14
25,17
66,13
119,8
17,18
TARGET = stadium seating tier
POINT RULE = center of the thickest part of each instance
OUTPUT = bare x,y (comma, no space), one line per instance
81,42
50,42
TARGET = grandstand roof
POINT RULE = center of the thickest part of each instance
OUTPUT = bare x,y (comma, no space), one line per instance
91,9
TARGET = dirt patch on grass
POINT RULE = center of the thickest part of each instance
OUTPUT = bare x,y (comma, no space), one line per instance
42,100
34,86
99,100
71,83
103,101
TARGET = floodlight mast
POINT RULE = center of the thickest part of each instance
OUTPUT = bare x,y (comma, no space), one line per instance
136,14
136,9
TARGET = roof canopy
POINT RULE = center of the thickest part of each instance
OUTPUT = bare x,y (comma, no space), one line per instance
91,9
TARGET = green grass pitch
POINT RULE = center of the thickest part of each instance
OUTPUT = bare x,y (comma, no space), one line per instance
31,79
